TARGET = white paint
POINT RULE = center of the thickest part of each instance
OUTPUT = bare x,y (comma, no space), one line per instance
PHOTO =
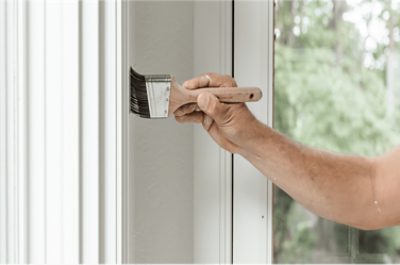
252,232
90,131
11,49
36,125
53,131
108,133
3,133
58,118
71,127
22,166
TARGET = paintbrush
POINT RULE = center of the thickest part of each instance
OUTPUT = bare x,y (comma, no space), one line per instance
159,96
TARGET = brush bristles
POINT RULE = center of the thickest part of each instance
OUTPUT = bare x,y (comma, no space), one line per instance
139,98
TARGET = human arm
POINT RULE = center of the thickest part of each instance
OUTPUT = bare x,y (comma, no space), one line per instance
354,190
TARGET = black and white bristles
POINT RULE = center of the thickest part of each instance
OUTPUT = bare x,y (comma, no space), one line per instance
139,98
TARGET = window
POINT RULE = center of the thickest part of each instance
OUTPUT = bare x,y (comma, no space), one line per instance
337,87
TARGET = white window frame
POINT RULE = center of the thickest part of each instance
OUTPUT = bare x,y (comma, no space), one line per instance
253,193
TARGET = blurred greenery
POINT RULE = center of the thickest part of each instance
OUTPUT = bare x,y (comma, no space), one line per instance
332,75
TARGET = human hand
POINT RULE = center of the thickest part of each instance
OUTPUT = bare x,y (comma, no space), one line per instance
230,125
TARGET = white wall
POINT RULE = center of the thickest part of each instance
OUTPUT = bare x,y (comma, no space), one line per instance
161,42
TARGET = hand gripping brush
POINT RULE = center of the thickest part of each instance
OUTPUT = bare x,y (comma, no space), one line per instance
159,96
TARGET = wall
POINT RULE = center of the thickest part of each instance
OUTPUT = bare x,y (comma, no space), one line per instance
161,208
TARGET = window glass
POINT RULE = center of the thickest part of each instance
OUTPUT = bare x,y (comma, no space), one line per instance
337,87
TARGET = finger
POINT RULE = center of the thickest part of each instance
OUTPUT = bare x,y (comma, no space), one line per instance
207,122
210,105
227,81
186,109
210,80
198,82
195,117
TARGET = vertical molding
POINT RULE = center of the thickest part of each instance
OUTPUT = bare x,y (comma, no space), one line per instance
3,133
36,131
253,62
11,38
225,158
123,193
22,133
108,73
54,135
270,120
212,165
70,132
63,131
90,132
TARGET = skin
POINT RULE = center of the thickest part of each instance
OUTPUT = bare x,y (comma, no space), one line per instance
354,190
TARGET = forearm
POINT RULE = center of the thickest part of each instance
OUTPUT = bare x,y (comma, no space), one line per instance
340,188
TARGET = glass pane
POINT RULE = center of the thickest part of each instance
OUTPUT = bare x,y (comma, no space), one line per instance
337,87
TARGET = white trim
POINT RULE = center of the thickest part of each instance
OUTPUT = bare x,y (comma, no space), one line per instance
3,133
212,165
252,191
90,148
123,194
270,121
225,158
53,76
71,111
108,196
11,131
22,134
36,135
61,92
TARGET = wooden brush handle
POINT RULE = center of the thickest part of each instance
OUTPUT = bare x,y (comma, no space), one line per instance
229,94
180,96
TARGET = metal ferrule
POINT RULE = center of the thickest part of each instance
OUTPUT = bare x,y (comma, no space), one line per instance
158,91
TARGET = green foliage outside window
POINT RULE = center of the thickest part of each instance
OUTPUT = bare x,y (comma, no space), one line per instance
331,92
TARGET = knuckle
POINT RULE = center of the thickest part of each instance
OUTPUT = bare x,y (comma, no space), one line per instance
229,81
212,74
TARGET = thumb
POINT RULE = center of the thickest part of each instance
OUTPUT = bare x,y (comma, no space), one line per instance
211,106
